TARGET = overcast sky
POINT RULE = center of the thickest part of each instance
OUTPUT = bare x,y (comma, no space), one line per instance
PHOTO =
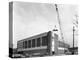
34,18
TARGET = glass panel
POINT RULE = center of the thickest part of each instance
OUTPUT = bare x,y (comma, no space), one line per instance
29,43
44,41
38,42
33,43
25,44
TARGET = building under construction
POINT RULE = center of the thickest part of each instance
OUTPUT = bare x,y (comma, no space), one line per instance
41,45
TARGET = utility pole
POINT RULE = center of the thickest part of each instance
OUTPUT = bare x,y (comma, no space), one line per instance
73,40
73,36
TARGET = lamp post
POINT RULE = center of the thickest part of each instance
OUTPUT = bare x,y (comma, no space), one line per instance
73,40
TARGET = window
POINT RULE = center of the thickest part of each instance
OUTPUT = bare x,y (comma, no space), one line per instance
25,44
20,45
38,42
29,43
33,43
44,41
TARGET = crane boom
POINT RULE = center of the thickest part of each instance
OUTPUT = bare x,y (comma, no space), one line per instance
59,23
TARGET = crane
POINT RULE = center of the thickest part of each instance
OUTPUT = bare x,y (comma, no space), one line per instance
59,23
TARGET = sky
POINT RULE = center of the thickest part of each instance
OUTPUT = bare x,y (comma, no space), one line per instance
30,19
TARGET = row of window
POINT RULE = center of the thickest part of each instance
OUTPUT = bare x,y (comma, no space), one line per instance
35,42
20,45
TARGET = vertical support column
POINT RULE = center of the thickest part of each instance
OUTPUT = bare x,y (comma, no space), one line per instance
10,29
31,43
24,44
49,43
35,42
56,44
41,41
73,40
27,44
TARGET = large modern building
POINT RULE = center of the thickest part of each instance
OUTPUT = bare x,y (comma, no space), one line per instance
41,45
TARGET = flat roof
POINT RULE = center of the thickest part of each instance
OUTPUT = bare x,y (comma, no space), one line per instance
35,36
